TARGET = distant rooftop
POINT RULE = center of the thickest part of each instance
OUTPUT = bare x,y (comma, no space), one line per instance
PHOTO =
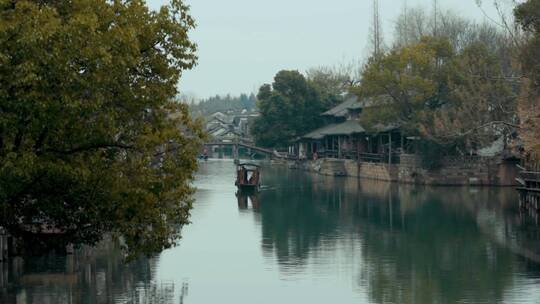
353,103
348,127
343,108
318,134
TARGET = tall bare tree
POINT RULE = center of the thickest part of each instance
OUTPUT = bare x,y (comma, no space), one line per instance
376,35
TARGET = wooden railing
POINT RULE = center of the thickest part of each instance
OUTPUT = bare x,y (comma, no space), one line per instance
531,175
373,157
531,162
530,180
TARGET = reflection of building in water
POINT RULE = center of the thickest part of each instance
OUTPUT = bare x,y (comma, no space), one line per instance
89,276
437,254
418,244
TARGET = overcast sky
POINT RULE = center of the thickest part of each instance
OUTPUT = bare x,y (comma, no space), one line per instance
243,43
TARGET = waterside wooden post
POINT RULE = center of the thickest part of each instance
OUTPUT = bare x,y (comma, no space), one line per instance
389,148
4,250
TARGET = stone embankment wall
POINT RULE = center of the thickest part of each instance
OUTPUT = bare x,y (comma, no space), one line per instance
472,172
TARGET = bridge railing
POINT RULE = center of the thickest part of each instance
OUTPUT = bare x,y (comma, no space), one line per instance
249,145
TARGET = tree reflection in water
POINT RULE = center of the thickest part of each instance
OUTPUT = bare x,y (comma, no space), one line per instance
390,243
417,244
89,276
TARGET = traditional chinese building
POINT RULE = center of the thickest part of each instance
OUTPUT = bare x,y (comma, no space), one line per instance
344,137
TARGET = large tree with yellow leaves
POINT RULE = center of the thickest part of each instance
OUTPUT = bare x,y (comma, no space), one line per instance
90,140
528,16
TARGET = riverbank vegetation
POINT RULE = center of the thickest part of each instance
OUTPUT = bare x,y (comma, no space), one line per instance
528,17
292,104
455,89
452,84
218,103
91,142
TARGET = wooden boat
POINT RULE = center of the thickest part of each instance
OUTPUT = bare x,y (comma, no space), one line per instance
248,177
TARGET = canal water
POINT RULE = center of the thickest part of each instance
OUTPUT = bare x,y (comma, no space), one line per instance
311,239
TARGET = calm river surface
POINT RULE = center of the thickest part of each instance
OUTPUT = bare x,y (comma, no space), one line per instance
311,239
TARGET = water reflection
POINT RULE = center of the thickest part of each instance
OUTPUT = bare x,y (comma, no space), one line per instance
247,199
416,244
90,276
311,239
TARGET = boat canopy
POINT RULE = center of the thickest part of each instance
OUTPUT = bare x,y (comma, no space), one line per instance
248,165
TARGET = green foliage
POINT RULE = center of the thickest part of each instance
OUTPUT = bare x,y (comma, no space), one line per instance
407,82
289,108
528,17
223,104
430,152
414,24
458,99
90,142
332,83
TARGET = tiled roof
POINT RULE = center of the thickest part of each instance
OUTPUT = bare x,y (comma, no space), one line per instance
353,103
349,127
318,134
343,108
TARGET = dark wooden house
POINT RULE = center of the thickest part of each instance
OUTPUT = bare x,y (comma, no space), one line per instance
344,137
